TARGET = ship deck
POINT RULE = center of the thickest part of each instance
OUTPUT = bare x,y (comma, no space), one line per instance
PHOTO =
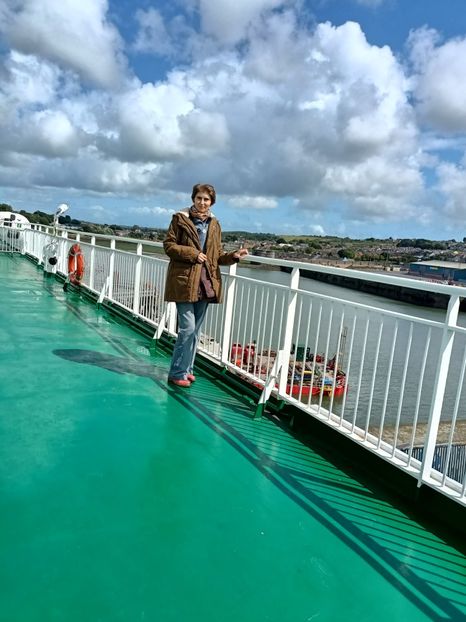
123,499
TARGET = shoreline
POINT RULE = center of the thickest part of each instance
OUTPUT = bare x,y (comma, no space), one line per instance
394,292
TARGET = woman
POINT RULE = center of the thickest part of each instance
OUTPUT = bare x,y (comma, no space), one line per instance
194,245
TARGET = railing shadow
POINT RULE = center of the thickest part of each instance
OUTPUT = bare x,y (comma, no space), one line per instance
411,558
414,560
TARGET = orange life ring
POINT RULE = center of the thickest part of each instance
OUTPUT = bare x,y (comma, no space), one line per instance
75,265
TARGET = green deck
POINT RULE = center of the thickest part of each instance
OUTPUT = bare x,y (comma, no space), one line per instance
125,500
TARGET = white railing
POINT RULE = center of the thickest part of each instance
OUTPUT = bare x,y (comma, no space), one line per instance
391,381
11,239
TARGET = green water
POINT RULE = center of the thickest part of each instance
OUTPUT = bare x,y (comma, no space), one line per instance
122,500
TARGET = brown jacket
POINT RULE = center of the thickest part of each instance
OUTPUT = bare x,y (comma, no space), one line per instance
184,272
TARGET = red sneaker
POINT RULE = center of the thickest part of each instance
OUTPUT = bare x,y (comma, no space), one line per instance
180,382
191,377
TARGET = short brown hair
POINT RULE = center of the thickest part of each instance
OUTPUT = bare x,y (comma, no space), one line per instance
204,188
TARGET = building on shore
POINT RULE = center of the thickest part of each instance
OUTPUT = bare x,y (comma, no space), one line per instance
450,271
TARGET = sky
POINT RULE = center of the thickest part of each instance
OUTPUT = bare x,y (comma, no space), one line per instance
310,117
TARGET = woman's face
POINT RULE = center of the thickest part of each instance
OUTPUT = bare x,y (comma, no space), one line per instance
202,202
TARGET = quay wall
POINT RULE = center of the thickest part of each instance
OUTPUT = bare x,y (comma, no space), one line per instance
394,292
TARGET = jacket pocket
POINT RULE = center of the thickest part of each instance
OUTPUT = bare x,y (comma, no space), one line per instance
181,269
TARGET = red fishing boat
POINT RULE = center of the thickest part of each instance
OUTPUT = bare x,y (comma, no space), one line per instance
308,374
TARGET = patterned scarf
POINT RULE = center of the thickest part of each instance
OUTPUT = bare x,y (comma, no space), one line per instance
195,214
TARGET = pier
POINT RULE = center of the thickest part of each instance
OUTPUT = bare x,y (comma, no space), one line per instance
401,290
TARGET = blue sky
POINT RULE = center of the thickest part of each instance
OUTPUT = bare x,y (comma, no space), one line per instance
324,117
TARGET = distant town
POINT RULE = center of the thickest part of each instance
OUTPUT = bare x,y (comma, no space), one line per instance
369,253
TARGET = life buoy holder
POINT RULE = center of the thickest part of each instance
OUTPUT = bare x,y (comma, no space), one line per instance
75,265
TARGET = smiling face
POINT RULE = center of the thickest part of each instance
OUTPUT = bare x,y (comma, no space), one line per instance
202,203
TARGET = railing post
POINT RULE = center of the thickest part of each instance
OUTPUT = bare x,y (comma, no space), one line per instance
440,383
38,247
63,253
168,320
269,385
137,278
24,239
289,324
60,253
40,254
103,291
111,269
92,263
171,320
228,306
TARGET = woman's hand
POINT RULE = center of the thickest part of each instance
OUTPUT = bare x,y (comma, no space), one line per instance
242,252
201,258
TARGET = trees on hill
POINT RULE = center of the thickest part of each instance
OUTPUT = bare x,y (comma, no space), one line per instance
422,243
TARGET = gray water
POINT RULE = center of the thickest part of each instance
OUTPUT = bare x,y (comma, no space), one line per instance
334,291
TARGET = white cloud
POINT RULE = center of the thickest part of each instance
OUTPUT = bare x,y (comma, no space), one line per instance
204,132
152,35
452,184
155,211
228,21
316,230
222,26
148,124
376,188
441,81
49,133
88,172
300,114
271,55
249,202
318,116
169,37
29,80
75,35
31,120
283,145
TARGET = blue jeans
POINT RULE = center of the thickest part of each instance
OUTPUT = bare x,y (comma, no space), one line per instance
190,318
